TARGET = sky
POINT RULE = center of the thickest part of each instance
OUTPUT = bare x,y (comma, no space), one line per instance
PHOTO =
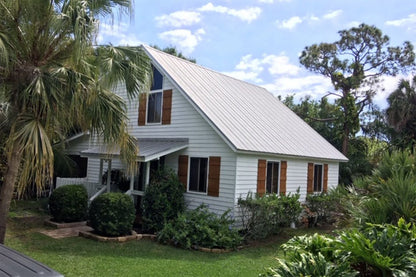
259,41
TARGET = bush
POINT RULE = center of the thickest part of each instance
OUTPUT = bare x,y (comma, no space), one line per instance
163,200
112,214
201,228
69,203
390,193
376,250
264,216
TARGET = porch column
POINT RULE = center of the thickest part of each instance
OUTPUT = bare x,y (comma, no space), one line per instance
100,176
109,175
146,183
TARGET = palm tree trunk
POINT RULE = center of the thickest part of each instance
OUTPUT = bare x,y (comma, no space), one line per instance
6,190
345,141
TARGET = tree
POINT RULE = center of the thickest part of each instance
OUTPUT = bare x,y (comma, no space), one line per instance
401,114
326,119
355,64
53,79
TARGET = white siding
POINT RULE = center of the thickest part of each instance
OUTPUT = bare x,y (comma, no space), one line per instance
297,173
186,122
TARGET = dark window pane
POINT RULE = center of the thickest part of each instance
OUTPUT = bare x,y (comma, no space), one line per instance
157,80
317,178
203,175
154,107
272,178
275,179
198,174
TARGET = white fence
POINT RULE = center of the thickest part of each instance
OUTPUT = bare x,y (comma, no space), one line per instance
91,187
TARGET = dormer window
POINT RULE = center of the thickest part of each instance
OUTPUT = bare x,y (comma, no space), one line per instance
155,106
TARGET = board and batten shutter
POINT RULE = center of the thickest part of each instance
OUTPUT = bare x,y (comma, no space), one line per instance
183,169
309,188
214,176
167,107
325,185
283,176
261,177
141,121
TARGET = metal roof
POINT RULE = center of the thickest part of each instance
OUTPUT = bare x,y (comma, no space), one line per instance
13,263
149,148
247,116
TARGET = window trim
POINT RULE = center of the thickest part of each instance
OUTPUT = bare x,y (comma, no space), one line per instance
189,176
278,176
161,107
322,178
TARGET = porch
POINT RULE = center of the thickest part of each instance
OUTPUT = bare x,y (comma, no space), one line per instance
152,152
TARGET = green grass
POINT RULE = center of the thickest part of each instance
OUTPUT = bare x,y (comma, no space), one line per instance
83,257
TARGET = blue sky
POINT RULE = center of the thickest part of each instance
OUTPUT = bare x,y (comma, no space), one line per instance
259,41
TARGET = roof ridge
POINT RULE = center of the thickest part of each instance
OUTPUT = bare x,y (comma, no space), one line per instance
205,68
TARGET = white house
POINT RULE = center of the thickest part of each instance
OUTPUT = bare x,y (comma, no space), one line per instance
223,136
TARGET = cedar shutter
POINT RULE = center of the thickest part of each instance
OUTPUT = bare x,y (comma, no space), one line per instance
167,106
261,177
283,175
214,176
309,188
142,109
325,188
183,170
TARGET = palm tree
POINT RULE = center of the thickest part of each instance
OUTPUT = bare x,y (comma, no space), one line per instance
53,79
401,113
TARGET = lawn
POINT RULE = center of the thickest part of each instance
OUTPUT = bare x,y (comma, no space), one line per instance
82,257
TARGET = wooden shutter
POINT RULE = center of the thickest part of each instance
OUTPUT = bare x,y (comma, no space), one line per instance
183,170
309,188
167,106
325,187
283,175
142,109
261,177
214,176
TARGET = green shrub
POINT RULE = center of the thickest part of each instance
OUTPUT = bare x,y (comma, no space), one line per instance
163,200
390,193
321,206
112,214
201,228
69,203
376,250
264,216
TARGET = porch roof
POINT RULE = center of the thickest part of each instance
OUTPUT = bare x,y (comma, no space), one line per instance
149,149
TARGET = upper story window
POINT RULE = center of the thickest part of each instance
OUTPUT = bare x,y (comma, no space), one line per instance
272,177
198,175
317,177
154,102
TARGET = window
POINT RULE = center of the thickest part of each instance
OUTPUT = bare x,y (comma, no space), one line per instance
317,178
198,175
154,107
272,178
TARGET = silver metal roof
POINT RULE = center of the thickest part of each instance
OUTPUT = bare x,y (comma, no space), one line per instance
247,116
149,149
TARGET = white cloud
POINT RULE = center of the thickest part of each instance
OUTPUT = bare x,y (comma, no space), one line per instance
178,19
266,1
280,65
184,39
409,22
245,76
120,32
248,14
315,86
333,14
353,24
250,69
290,23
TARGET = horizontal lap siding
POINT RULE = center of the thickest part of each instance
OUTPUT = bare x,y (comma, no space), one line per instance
186,122
246,175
